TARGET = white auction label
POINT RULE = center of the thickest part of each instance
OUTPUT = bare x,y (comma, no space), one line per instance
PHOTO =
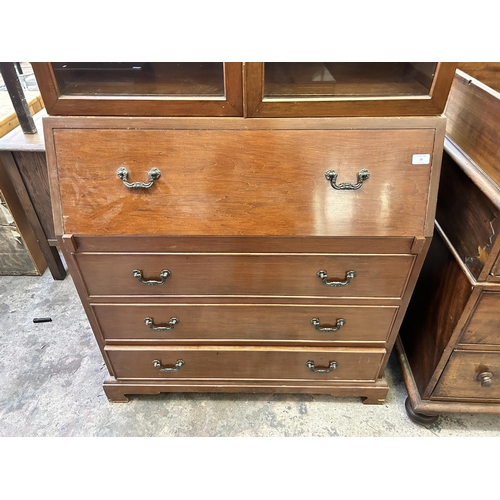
421,159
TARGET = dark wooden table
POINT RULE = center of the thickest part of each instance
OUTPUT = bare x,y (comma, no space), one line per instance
23,156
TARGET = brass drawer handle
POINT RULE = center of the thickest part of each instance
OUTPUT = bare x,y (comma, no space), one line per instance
331,367
485,378
153,174
177,366
349,275
172,323
340,323
331,176
163,275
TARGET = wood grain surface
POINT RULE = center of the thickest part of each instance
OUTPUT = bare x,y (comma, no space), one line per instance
236,182
439,299
472,111
467,216
251,323
484,324
459,379
486,72
245,274
258,105
205,362
229,105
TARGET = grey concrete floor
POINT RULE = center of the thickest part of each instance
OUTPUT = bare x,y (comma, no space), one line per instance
51,376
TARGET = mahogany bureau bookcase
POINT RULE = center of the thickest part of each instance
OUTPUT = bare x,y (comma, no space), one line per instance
245,227
449,345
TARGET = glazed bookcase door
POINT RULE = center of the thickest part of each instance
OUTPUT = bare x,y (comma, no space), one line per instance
346,89
141,89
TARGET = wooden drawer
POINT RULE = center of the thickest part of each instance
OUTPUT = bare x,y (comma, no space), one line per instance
220,362
484,324
243,182
245,274
466,376
245,322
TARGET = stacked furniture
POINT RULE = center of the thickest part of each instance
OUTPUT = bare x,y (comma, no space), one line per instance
245,227
449,344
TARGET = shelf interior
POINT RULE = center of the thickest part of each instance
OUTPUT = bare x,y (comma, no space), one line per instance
140,79
329,79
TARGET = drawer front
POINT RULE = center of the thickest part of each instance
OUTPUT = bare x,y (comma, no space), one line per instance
470,374
484,324
245,322
243,182
245,363
245,274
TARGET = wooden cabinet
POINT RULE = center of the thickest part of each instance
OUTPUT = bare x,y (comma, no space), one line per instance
450,339
141,89
347,89
244,254
245,89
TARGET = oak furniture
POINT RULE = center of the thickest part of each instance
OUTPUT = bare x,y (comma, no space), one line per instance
244,227
449,344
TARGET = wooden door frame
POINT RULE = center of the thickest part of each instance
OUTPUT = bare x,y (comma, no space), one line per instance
56,104
257,106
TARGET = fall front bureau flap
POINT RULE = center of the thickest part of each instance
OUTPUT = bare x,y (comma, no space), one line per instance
243,182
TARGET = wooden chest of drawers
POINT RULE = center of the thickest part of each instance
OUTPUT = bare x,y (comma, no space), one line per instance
245,265
245,226
450,338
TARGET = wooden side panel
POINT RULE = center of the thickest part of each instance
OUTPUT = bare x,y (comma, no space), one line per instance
253,183
467,216
472,111
438,301
33,169
486,72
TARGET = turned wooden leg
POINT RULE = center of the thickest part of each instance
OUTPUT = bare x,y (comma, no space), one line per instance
419,418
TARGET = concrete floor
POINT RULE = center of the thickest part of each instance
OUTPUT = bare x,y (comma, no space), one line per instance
51,376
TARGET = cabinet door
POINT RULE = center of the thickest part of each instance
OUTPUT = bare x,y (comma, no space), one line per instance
346,89
141,89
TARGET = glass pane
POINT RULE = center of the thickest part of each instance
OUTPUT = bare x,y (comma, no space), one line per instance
337,80
140,79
